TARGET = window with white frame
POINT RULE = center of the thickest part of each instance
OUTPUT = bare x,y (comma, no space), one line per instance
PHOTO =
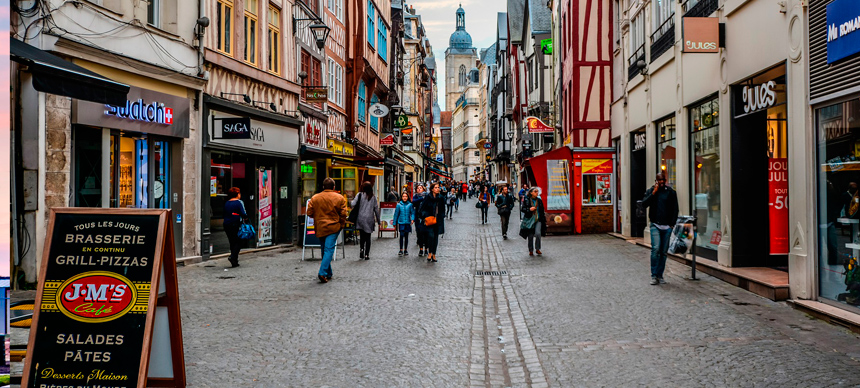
663,11
637,34
335,82
153,13
336,7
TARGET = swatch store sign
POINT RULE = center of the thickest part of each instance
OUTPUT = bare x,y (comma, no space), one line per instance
843,29
144,111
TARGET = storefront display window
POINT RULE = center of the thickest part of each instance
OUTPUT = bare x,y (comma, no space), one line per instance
345,180
597,189
88,167
161,171
838,130
666,150
309,182
705,136
558,182
228,170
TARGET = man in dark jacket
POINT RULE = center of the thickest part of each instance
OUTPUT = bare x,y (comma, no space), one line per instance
505,203
662,202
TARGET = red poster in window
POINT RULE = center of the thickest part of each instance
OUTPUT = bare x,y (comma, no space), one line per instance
778,205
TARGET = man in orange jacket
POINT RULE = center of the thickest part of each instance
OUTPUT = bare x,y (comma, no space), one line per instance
328,210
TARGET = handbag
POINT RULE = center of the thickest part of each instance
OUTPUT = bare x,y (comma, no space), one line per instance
479,205
430,221
246,231
353,214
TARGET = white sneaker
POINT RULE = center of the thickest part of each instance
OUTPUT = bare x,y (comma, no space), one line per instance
654,281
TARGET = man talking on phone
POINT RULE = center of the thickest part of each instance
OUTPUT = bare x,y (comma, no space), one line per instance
662,202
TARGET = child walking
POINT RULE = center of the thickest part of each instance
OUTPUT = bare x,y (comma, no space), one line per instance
404,216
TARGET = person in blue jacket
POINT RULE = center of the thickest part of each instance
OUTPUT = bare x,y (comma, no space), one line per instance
404,217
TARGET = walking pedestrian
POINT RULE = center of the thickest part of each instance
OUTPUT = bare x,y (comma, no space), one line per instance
451,201
420,229
392,195
505,204
522,196
662,202
433,206
464,188
484,201
234,214
404,217
368,217
534,220
328,209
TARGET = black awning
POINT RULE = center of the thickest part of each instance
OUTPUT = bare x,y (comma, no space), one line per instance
52,74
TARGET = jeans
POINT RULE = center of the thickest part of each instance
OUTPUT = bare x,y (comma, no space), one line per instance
404,241
328,243
432,240
505,218
450,210
659,247
364,243
534,238
235,242
484,213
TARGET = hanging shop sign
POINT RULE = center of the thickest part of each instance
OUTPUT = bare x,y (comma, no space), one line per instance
401,122
546,46
434,148
387,140
265,136
378,110
316,94
375,171
340,148
440,157
106,275
235,128
596,166
701,35
535,125
145,111
843,29
408,140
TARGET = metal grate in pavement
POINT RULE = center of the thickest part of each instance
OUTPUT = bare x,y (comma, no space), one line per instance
490,273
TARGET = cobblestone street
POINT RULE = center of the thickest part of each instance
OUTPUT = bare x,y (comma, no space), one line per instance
582,314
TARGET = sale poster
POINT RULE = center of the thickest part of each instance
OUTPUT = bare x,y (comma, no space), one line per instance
778,205
265,216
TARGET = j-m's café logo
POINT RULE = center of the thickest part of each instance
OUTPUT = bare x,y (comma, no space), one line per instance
701,35
95,297
138,110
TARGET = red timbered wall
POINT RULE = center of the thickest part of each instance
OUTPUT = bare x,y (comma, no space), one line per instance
587,73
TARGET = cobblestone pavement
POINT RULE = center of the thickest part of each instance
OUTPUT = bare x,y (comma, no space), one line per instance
582,314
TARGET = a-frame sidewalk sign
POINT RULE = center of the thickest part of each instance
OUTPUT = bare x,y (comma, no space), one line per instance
97,321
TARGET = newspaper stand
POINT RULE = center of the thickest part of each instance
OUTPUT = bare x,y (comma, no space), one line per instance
310,239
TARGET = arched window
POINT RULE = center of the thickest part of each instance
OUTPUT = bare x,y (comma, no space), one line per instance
462,75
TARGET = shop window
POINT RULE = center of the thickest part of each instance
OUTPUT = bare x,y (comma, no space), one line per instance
666,150
88,167
596,189
228,170
274,37
345,181
161,174
838,128
558,185
224,24
251,32
705,138
309,182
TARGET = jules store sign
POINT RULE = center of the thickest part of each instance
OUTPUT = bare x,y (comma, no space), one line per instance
843,29
701,35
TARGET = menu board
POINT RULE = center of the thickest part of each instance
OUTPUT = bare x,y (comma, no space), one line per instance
95,307
558,193
386,216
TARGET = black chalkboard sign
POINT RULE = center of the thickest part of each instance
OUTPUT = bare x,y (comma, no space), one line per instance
98,292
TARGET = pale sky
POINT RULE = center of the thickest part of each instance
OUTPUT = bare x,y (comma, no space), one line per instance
439,18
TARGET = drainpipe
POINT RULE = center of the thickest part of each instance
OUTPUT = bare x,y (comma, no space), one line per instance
200,32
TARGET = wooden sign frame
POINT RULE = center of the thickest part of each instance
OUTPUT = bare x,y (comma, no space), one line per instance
164,253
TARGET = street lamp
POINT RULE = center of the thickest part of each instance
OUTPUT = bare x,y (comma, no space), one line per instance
320,32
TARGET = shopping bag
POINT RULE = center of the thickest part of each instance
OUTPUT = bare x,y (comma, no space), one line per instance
527,226
681,238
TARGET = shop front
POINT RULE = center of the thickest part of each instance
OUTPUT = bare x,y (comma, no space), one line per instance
705,145
130,156
594,181
759,170
836,118
638,182
264,166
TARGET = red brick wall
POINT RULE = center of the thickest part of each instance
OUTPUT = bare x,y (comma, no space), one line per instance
596,219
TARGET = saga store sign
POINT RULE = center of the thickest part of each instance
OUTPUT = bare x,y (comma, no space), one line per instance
264,136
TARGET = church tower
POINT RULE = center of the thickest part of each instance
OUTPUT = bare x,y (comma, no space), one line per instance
460,58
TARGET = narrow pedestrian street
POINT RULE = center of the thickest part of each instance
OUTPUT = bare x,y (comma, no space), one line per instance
582,314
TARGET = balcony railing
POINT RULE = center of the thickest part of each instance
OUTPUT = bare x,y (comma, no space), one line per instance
632,68
700,8
664,38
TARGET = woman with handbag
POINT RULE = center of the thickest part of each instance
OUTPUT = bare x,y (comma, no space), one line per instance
534,220
368,217
420,229
234,214
433,214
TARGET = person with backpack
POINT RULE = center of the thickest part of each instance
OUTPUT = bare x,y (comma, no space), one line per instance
404,217
505,204
234,214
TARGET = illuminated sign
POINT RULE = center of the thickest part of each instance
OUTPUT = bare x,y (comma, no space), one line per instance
155,112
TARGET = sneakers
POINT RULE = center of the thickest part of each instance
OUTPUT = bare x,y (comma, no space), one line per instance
654,281
400,253
661,280
504,236
538,252
405,253
322,279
